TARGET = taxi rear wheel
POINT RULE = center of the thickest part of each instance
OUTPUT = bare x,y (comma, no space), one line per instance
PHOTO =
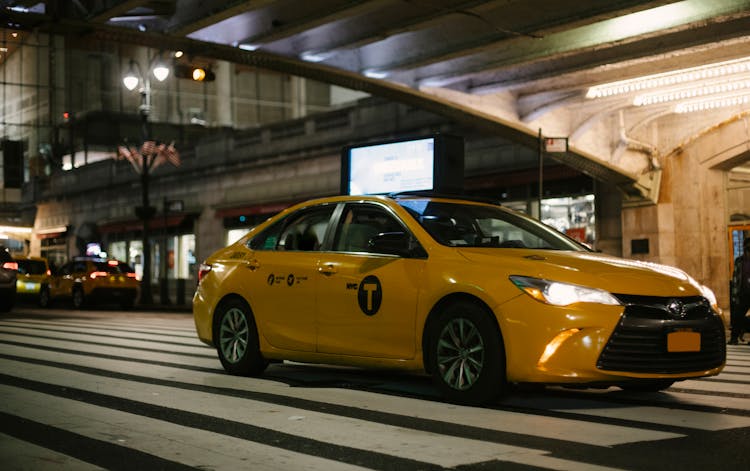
237,340
466,356
79,299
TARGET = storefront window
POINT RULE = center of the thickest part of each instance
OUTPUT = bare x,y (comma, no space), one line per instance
118,251
135,257
186,256
573,216
233,235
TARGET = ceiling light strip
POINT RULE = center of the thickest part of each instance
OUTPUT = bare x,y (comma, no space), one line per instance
686,93
675,77
713,103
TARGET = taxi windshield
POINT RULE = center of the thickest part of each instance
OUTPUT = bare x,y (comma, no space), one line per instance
483,225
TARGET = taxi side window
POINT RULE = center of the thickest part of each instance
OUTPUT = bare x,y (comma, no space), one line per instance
360,224
302,231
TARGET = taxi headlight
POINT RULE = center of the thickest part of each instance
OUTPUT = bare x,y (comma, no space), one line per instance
561,294
711,297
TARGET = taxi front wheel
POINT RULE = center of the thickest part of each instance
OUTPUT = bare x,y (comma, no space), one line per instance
237,340
466,356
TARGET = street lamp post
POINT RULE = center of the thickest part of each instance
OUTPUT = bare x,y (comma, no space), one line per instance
131,80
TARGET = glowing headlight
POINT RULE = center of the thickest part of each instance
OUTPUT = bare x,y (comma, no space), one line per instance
709,294
561,294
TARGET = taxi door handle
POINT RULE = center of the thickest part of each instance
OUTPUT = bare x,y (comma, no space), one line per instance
327,269
252,264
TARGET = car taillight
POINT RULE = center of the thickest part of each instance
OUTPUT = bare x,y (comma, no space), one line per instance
132,275
203,270
10,266
98,274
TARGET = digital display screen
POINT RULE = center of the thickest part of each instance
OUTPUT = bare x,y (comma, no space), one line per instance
392,167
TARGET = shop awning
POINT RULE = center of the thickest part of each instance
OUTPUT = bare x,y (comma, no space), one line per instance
52,232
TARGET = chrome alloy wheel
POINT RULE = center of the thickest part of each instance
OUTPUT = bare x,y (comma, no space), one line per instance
233,335
460,354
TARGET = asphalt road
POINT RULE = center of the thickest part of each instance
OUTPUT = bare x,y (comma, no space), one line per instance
137,390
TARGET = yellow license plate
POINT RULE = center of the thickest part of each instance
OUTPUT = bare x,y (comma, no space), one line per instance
684,341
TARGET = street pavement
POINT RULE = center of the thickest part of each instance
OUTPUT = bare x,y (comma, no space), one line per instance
137,390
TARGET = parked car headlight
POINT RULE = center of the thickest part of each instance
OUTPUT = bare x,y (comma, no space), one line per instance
561,294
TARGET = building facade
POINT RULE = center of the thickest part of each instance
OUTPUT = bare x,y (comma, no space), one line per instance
251,142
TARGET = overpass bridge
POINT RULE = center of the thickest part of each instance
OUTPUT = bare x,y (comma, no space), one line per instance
651,95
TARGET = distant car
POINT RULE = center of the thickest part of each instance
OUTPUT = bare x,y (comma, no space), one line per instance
86,281
33,279
8,269
474,294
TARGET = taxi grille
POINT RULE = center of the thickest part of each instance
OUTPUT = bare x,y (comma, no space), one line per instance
639,342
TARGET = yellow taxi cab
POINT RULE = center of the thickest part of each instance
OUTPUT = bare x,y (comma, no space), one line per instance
474,294
86,280
33,279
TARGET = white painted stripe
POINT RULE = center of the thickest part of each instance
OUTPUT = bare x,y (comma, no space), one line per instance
77,338
665,416
208,359
714,386
173,442
31,329
18,454
187,330
727,375
428,447
579,431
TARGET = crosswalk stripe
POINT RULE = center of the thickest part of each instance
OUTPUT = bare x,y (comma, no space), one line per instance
513,422
188,332
19,454
111,355
133,344
178,443
287,423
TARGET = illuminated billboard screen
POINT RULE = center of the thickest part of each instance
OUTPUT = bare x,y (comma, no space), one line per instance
427,163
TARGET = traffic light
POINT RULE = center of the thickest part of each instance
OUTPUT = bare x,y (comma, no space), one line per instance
196,73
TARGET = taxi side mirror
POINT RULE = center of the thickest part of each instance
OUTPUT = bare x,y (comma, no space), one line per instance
396,243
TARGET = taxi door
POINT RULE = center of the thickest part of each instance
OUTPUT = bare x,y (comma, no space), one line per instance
62,282
367,301
282,277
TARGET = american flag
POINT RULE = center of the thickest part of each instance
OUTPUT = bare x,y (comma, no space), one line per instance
172,155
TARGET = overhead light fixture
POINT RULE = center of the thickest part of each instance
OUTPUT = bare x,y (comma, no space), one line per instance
315,56
131,78
160,70
673,78
374,73
249,47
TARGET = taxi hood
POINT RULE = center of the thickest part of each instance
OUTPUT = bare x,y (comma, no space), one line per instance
613,274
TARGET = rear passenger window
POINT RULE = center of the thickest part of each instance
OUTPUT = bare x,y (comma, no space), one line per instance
304,230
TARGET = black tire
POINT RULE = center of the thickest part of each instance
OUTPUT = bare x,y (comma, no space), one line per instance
78,298
44,299
466,354
128,303
7,300
236,339
649,385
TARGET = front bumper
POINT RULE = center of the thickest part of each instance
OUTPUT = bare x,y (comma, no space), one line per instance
591,343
